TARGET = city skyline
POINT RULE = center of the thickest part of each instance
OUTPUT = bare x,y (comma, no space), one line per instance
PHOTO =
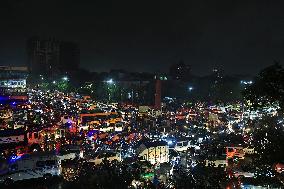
141,94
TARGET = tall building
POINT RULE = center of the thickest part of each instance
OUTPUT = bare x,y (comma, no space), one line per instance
52,57
43,56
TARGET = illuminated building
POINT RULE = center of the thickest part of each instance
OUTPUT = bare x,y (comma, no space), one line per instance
13,83
155,152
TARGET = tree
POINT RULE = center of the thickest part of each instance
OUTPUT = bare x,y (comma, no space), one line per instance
268,139
268,88
62,86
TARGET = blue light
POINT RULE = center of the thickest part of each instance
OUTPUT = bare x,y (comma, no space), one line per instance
4,99
170,142
91,133
14,159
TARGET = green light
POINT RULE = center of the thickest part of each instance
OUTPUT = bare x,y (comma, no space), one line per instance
147,175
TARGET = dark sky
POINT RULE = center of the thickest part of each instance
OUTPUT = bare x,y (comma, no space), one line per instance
241,36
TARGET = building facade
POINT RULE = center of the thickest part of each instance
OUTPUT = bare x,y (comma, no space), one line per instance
52,57
13,80
156,152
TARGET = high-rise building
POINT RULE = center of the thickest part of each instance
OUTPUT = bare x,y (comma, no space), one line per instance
52,57
43,56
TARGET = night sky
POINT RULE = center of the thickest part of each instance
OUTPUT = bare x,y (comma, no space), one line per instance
239,36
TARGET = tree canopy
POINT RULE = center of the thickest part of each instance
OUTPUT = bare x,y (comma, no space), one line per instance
268,88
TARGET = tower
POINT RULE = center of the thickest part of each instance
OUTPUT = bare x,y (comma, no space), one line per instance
158,94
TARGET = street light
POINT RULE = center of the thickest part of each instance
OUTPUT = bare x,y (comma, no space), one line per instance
110,81
54,82
190,88
246,82
65,78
